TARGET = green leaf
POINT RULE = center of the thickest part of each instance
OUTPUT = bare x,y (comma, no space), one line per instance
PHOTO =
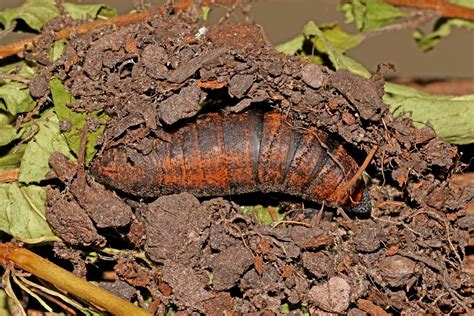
442,29
59,47
61,98
338,59
22,210
11,159
16,98
262,213
463,3
292,46
370,14
48,139
204,14
35,13
329,39
451,117
7,134
20,68
88,11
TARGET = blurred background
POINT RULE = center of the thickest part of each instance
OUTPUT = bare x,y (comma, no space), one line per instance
453,58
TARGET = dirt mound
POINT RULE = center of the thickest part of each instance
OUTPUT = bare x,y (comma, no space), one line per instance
152,77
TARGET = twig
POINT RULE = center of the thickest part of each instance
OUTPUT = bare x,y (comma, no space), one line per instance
65,280
442,7
9,175
29,43
417,19
359,172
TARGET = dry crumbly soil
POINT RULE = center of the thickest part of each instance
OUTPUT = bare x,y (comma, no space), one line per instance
407,256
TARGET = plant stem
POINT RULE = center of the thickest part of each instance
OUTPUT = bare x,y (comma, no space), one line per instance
66,281
442,7
9,175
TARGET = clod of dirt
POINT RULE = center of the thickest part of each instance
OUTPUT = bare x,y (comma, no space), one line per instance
68,220
313,75
120,288
39,85
333,296
368,239
397,270
176,228
361,92
104,207
318,264
229,265
182,105
187,286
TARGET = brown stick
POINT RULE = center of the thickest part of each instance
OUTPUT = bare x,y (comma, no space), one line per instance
9,175
29,43
66,281
361,169
442,7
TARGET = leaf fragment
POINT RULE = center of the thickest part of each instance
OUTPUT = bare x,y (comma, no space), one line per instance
265,215
369,15
58,49
88,11
451,117
22,210
16,98
463,3
442,29
61,98
35,13
11,158
34,163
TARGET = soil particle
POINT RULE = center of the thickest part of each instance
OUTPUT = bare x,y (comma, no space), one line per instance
318,264
188,287
361,92
104,207
239,85
39,85
68,220
182,105
397,270
333,296
313,75
176,228
229,265
120,288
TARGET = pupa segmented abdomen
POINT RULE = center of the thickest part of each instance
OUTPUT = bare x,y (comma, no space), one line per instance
235,154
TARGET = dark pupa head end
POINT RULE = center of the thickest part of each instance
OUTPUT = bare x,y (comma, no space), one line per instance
363,206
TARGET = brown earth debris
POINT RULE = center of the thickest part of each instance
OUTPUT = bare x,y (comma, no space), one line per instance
204,256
